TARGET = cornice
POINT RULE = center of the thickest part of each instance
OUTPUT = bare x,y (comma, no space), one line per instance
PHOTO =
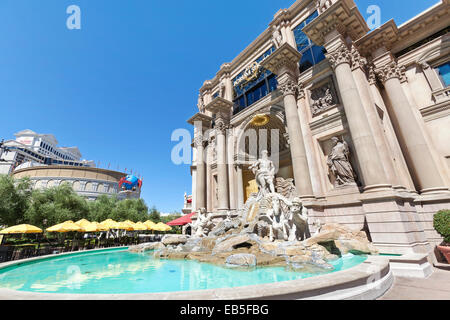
396,38
200,117
284,59
220,106
342,15
282,17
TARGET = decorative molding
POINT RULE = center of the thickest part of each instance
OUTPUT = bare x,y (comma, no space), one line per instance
436,111
326,123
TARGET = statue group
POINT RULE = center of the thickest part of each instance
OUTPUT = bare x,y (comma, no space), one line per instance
279,217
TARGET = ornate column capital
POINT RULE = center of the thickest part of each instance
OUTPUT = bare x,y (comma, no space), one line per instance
372,75
403,77
358,61
388,71
221,125
198,141
288,87
300,90
339,56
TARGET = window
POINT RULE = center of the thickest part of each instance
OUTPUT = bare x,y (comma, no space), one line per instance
246,94
311,53
444,73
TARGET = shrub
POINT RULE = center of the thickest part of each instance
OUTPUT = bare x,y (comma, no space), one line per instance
442,224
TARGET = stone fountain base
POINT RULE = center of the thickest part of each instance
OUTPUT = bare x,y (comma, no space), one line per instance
247,250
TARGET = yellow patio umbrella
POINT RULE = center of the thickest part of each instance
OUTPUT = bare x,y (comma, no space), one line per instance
22,229
68,226
163,227
125,226
82,223
140,226
109,224
94,227
150,225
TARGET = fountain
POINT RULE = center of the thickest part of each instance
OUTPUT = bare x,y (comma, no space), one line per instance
271,230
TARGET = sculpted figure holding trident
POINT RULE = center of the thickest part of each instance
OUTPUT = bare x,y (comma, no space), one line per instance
264,171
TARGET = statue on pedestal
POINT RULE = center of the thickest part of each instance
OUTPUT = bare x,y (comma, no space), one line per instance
3,149
277,38
339,163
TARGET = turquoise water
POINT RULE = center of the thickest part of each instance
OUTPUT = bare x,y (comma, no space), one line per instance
122,272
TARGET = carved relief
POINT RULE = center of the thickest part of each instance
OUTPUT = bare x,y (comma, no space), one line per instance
323,98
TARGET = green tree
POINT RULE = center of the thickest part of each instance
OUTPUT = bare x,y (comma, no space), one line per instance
154,215
103,208
56,205
14,200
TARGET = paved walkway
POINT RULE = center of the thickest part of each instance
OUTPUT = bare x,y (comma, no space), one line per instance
435,287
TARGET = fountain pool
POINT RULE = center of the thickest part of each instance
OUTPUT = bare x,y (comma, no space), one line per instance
117,271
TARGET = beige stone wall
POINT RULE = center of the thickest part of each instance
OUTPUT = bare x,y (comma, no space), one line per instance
87,182
70,172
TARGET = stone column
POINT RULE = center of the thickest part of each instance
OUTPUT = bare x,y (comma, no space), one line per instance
231,171
358,68
284,63
309,145
222,170
372,171
222,109
415,148
200,189
200,122
240,187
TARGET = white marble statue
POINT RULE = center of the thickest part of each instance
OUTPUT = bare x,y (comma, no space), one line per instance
264,171
339,163
277,38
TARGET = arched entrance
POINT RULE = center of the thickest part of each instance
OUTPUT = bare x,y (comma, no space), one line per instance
264,131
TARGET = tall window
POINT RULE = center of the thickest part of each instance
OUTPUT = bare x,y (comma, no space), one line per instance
444,73
311,53
247,93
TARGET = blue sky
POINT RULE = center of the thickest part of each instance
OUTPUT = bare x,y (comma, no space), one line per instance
118,87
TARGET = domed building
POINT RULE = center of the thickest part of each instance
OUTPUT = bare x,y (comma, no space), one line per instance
86,181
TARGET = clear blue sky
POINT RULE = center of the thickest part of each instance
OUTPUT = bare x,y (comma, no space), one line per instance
118,87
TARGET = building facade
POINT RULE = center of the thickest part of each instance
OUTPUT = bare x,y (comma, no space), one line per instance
31,149
85,181
358,120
